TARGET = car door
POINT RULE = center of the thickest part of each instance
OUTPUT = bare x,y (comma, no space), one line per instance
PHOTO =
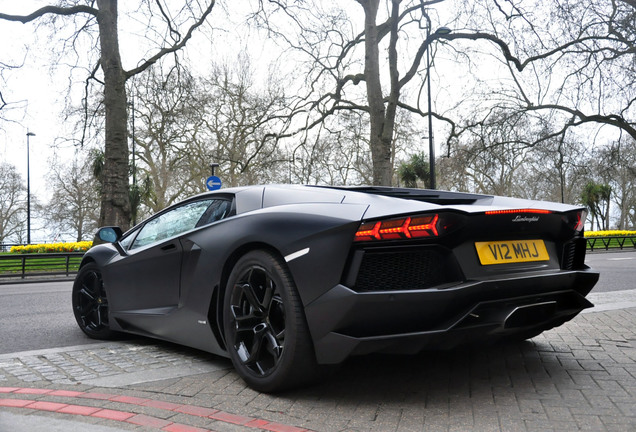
147,278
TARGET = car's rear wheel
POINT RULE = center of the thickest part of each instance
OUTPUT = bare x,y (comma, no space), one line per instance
90,304
265,328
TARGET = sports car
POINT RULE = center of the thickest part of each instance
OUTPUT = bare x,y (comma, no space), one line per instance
287,280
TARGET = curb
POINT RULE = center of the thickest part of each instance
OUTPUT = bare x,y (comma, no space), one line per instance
131,416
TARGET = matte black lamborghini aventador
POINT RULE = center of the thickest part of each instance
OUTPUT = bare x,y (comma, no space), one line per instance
285,279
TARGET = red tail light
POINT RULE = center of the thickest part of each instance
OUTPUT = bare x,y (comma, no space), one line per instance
402,228
513,211
576,220
581,216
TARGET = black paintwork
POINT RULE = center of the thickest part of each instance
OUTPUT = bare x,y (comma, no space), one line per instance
173,289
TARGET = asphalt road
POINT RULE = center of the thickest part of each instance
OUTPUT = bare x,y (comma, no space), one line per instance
618,270
38,315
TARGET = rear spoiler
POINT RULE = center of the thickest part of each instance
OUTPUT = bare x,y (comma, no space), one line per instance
425,195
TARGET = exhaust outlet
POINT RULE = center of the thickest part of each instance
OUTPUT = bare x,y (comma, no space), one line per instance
529,315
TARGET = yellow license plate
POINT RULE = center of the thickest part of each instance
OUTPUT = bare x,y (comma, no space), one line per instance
511,251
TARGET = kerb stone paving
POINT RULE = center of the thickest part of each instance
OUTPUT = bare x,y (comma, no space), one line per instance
580,376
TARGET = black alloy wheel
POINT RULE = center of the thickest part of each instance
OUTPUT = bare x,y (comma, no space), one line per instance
265,328
90,304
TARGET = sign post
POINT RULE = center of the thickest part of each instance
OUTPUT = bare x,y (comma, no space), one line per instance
213,182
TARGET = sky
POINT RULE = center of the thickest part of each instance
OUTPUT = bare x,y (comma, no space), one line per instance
36,98
39,92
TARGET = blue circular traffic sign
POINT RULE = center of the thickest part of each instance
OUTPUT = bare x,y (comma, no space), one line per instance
213,183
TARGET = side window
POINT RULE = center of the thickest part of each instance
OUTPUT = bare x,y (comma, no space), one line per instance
218,210
172,223
127,241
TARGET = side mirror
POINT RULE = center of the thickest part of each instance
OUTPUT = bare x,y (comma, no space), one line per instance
107,235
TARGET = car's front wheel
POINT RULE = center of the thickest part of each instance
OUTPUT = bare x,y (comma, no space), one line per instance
90,304
265,328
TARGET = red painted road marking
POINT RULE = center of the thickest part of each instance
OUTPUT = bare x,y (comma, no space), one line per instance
109,414
15,403
231,418
134,418
78,410
138,419
129,400
47,406
32,391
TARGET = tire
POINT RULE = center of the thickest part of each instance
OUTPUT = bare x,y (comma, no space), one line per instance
90,304
264,324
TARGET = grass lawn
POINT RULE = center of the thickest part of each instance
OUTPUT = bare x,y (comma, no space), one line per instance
611,243
12,264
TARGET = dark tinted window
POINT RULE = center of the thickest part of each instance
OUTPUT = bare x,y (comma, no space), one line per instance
219,209
178,220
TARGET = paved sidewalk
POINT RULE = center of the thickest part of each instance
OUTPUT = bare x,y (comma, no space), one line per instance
581,376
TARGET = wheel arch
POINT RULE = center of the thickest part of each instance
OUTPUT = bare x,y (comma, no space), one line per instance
215,312
86,260
99,254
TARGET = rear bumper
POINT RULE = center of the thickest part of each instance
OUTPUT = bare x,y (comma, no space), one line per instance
344,323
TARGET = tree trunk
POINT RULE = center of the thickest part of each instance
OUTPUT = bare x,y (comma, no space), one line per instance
115,208
380,151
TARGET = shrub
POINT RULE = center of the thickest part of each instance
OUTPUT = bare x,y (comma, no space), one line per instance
607,233
82,246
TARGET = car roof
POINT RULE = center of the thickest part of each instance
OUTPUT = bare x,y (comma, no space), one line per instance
381,199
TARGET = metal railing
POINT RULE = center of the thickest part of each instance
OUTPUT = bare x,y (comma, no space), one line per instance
42,265
611,242
6,247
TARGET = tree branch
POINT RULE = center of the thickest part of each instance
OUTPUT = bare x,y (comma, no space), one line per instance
176,47
612,119
505,49
55,10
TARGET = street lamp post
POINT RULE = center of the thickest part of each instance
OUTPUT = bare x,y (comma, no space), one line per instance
134,162
431,146
28,135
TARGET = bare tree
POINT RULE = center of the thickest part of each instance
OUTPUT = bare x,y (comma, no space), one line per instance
616,167
495,155
242,121
6,104
334,154
74,203
115,203
12,203
569,61
168,122
341,57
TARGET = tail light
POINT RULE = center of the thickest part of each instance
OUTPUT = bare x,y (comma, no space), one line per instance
581,216
518,211
419,226
576,220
